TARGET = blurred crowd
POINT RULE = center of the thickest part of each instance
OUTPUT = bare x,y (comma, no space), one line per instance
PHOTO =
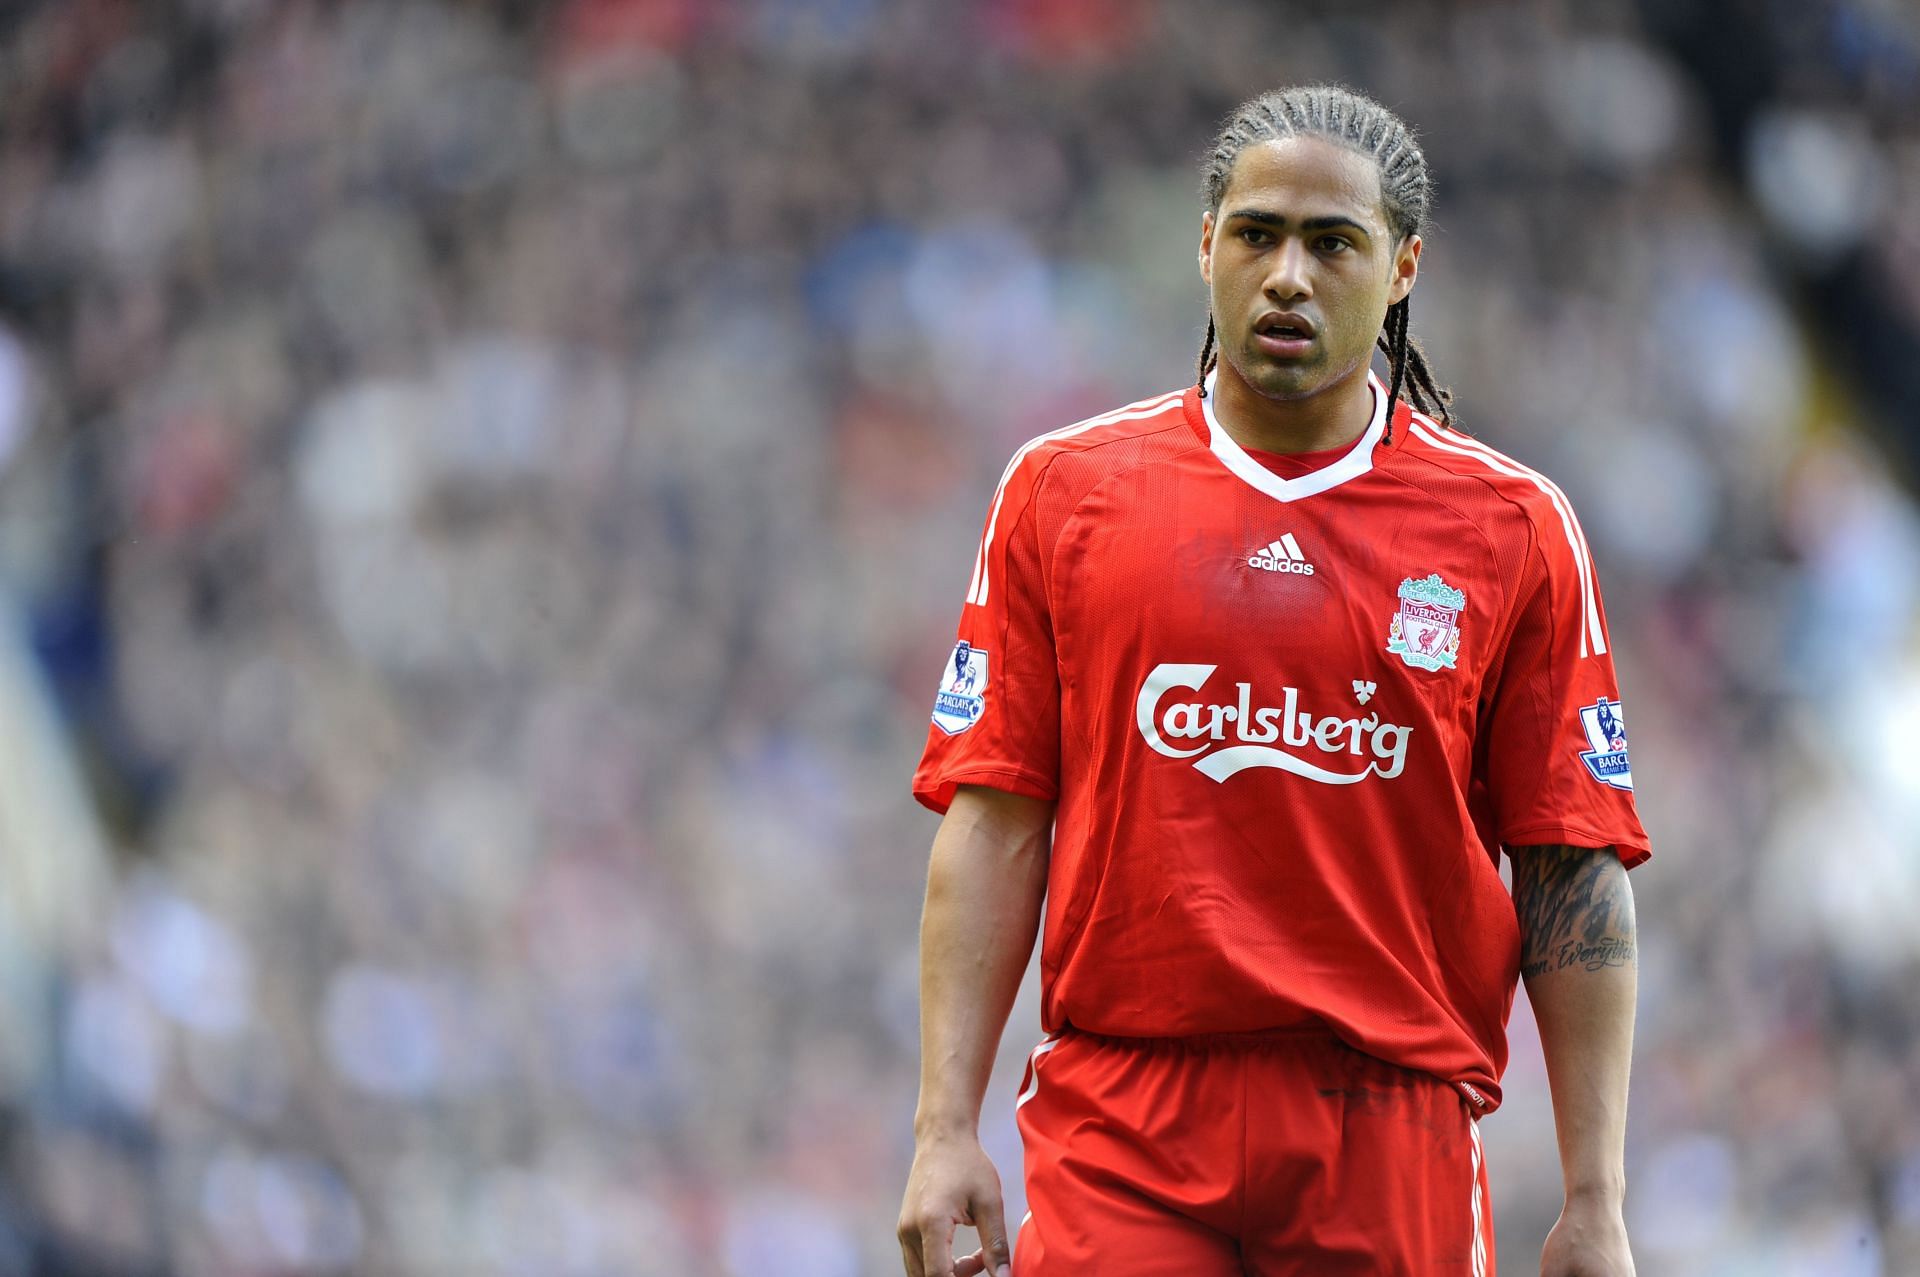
486,487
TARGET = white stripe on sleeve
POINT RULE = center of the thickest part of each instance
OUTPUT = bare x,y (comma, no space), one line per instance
1593,634
977,590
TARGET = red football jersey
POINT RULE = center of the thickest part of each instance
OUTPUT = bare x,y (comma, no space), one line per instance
1288,722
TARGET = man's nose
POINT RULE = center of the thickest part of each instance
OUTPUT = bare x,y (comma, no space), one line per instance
1288,276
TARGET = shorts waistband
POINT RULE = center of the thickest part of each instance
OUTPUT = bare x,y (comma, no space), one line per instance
1242,1040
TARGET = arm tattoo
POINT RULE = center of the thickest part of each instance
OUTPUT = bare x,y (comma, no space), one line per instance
1575,909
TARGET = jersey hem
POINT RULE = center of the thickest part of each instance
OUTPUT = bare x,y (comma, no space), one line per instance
938,796
1632,851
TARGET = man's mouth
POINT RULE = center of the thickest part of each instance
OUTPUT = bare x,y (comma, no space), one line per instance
1284,335
1287,327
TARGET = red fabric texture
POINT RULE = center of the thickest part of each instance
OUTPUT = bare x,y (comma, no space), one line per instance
1265,817
1289,1156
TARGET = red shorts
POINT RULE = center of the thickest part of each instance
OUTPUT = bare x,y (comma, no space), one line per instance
1285,1153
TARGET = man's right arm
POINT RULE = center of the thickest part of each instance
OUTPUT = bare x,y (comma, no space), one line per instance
985,885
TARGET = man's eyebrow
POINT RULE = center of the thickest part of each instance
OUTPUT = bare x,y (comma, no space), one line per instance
1330,222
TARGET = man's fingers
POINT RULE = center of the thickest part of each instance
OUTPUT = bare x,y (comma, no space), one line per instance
936,1247
971,1264
990,1218
916,1247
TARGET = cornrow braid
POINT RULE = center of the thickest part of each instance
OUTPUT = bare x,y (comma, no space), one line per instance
1362,125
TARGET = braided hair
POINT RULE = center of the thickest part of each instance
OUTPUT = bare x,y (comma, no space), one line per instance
1364,126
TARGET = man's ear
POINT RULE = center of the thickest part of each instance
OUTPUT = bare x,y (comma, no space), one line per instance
1406,269
1206,247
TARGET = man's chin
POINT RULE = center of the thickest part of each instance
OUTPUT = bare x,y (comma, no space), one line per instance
1288,382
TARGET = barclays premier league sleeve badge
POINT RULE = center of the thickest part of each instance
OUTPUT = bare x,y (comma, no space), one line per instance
1606,729
962,697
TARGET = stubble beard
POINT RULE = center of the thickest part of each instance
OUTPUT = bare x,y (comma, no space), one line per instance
1286,382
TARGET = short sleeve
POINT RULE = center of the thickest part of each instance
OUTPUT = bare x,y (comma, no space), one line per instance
996,711
1554,761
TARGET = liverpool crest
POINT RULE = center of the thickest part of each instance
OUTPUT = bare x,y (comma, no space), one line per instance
1426,630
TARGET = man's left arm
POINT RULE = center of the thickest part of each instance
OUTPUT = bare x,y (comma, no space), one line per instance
1578,959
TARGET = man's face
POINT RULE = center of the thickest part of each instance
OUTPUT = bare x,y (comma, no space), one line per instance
1302,266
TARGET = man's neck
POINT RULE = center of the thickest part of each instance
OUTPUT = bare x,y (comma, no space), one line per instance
1335,417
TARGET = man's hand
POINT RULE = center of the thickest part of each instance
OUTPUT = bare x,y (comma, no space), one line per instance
952,1183
986,882
1590,1240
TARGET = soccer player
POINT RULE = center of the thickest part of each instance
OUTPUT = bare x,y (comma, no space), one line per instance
1254,681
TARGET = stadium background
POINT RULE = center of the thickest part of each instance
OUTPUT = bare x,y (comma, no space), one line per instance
486,487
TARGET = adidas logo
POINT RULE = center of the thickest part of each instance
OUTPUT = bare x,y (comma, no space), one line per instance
1282,556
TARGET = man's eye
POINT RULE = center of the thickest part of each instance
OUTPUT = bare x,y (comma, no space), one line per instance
1254,235
1333,244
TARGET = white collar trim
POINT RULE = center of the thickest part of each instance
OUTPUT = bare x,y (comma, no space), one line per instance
1358,461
